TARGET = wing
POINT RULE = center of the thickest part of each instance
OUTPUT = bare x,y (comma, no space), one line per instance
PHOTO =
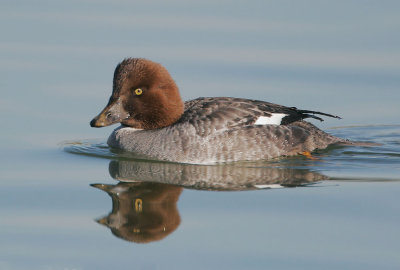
218,114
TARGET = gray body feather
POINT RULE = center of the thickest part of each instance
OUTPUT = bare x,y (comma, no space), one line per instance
217,130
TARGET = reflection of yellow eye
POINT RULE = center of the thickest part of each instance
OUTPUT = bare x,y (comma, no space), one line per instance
138,91
138,205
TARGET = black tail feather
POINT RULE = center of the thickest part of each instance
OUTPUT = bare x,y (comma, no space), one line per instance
311,114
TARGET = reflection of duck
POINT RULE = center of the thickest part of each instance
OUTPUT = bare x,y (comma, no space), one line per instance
223,177
142,212
144,201
158,124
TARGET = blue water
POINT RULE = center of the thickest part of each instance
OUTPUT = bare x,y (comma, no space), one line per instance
59,181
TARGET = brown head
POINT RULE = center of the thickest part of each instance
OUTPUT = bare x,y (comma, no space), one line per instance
144,96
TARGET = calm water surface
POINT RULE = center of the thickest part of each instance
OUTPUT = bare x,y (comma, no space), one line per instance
85,206
68,202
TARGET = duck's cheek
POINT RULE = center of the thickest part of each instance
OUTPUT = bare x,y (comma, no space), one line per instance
131,122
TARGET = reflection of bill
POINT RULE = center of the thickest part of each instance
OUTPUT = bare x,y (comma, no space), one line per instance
142,212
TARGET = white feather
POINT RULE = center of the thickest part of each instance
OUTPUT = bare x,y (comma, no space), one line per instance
268,186
274,119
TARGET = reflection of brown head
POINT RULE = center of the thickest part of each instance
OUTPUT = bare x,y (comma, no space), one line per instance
142,212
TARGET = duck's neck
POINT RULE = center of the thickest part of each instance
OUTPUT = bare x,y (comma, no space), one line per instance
165,112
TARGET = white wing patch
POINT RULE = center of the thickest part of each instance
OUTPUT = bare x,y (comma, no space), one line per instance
274,119
268,186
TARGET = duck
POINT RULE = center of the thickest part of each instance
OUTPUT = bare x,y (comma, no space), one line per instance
157,124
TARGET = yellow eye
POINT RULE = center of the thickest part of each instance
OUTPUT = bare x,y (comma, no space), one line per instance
138,91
